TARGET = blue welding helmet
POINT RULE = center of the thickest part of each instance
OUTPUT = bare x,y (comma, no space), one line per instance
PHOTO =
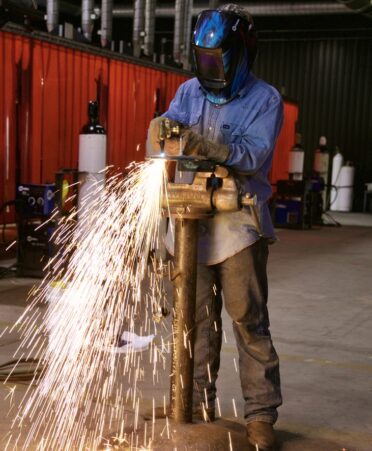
224,46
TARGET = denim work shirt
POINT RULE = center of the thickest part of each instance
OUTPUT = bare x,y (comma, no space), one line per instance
250,125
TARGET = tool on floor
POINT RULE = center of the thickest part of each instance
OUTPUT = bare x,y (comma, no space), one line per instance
130,342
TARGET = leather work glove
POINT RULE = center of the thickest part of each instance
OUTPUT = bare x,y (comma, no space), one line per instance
172,146
197,145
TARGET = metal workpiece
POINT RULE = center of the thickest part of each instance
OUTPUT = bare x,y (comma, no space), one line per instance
184,295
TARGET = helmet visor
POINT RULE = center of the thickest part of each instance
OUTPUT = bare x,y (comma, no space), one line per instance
209,64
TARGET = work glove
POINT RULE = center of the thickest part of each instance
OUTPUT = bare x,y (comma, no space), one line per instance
198,146
172,146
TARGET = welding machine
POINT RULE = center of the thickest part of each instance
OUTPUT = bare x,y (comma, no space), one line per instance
35,200
35,204
34,248
298,203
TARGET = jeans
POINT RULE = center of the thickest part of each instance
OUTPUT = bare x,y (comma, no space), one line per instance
243,281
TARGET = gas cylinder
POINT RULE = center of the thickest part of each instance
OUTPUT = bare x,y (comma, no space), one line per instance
321,167
296,159
345,187
92,159
321,159
337,162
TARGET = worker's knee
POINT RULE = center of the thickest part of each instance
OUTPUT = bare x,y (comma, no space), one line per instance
244,312
257,338
253,329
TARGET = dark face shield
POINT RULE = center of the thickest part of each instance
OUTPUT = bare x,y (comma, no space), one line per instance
210,67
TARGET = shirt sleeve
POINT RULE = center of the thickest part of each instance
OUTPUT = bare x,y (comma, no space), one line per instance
171,113
175,105
259,139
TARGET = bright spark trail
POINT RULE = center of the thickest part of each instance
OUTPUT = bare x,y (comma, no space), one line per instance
94,290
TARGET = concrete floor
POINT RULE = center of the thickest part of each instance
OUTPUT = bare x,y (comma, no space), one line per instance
321,315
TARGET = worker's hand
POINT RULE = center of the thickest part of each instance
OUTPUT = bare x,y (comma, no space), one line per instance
196,145
172,146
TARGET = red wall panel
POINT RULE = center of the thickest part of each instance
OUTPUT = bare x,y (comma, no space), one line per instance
23,101
45,89
14,56
132,104
284,144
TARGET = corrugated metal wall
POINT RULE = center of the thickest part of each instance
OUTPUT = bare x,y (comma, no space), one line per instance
331,80
14,104
44,93
133,92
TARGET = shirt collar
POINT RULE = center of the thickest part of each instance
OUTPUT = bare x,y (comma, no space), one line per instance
242,92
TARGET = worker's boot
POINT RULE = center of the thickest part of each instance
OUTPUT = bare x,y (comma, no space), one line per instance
261,436
199,413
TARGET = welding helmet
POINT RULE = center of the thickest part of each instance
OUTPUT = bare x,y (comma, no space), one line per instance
224,46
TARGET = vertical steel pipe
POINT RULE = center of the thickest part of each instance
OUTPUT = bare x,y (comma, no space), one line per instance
184,295
86,18
149,27
182,31
179,30
187,34
138,26
52,13
106,22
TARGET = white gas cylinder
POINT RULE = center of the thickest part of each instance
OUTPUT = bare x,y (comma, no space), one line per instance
337,162
345,187
92,163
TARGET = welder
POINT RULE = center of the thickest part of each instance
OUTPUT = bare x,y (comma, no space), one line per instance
229,116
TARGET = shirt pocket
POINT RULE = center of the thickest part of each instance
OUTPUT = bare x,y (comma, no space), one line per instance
189,118
231,133
195,116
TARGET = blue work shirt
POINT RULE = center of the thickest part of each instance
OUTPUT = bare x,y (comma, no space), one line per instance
250,125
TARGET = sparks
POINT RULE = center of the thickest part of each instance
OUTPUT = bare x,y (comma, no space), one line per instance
95,286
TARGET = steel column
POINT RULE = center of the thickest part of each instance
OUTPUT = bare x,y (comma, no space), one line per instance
52,13
106,22
86,18
184,295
